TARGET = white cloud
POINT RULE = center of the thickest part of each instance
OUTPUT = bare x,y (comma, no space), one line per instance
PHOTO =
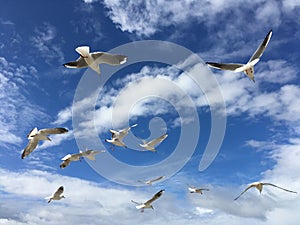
16,111
45,40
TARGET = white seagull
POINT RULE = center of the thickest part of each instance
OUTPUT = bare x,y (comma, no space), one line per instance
259,186
90,154
150,182
70,158
150,145
247,68
193,189
147,204
57,195
93,59
117,136
36,135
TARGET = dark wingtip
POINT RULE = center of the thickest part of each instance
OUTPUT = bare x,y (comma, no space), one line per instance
62,129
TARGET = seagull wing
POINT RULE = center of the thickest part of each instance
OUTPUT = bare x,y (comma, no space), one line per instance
79,63
157,179
157,140
244,191
111,59
57,130
65,163
156,196
59,191
259,51
32,133
224,66
279,187
137,203
30,147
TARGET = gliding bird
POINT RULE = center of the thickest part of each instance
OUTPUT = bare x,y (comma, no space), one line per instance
247,68
147,204
197,190
93,59
150,182
57,195
150,145
117,136
36,135
259,186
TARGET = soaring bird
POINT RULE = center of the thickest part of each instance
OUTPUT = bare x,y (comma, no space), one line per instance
57,195
193,189
93,59
150,145
147,204
150,182
90,154
247,68
70,158
259,186
36,135
117,136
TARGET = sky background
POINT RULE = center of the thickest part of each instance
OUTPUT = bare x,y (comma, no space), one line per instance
262,137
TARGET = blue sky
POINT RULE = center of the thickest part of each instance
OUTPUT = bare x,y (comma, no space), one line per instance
262,123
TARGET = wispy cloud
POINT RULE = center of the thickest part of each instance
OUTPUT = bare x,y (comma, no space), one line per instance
45,40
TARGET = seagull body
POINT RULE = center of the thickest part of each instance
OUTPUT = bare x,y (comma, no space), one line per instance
36,135
150,182
93,59
117,136
147,204
247,68
57,195
259,187
150,145
197,190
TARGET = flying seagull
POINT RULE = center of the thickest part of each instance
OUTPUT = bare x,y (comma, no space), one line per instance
117,136
150,182
36,135
247,68
259,186
70,158
193,189
57,195
93,59
150,145
90,154
147,204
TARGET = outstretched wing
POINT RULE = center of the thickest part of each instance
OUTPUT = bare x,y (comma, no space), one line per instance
244,191
59,191
157,179
224,66
155,197
57,130
79,63
157,140
111,59
279,187
259,51
30,147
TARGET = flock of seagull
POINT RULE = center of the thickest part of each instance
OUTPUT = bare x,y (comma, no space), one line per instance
92,60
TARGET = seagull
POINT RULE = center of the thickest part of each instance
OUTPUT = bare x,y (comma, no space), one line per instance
70,158
36,135
150,145
90,154
93,59
147,204
259,186
57,195
150,182
117,136
193,189
247,68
